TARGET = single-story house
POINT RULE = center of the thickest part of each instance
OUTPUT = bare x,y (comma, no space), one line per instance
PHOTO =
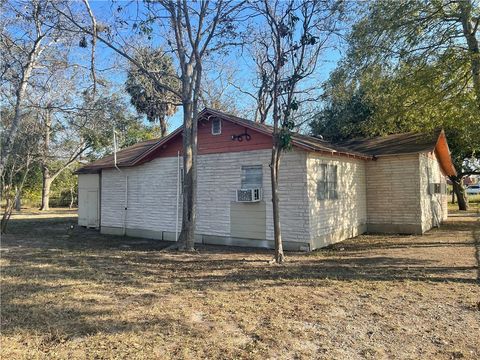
328,192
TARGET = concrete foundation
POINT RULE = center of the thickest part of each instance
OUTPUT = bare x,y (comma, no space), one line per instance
206,239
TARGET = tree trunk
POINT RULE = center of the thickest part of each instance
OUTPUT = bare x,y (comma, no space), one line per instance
469,32
187,235
277,233
6,216
190,94
46,178
10,136
46,184
275,162
11,202
459,191
18,201
72,198
163,127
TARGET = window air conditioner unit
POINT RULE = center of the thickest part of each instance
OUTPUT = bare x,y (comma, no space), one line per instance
249,195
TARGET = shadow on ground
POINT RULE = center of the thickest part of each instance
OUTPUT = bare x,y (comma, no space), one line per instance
53,255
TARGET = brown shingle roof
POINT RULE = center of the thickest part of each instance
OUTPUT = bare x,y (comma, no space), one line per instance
124,157
396,144
363,148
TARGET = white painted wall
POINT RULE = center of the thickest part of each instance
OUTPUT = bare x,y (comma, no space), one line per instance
152,194
434,207
333,220
88,200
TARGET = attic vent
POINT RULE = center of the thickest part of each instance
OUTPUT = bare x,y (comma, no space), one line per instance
216,127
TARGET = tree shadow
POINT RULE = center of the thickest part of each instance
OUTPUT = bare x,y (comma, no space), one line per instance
46,256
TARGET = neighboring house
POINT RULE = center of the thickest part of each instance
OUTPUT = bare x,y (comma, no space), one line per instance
328,192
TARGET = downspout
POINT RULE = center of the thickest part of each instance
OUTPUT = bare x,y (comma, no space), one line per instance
125,200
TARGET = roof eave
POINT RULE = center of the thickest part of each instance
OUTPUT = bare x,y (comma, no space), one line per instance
442,153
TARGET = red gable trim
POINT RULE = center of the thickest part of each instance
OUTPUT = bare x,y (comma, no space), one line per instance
162,142
207,114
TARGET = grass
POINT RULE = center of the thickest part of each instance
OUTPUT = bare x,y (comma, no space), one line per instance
473,204
73,293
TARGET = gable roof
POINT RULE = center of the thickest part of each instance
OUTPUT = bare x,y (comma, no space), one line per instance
406,143
309,143
396,144
367,149
124,156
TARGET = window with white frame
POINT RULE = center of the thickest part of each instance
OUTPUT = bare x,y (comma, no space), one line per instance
252,177
327,182
216,127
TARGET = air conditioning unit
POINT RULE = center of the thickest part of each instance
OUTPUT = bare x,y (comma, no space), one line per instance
249,195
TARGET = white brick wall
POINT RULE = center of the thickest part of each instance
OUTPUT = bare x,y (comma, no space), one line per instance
392,190
152,193
432,205
344,215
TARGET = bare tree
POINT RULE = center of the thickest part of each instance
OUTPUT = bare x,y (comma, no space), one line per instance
218,90
194,31
25,35
25,151
261,86
297,33
72,130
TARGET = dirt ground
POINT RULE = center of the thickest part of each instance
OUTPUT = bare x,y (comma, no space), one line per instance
73,293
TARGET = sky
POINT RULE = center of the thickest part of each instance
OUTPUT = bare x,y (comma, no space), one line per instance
239,64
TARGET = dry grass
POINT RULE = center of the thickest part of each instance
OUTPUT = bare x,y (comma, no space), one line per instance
78,294
473,202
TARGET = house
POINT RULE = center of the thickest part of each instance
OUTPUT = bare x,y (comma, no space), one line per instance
328,192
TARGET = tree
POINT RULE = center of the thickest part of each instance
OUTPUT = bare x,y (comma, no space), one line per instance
262,83
418,62
297,32
28,29
380,103
72,130
65,187
415,31
346,108
24,155
194,31
147,97
217,89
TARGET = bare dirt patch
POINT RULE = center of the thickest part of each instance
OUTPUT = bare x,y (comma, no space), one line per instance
73,293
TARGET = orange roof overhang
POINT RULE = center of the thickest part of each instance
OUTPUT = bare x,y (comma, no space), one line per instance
444,158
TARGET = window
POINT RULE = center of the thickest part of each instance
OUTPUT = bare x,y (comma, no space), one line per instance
252,177
437,188
327,182
216,127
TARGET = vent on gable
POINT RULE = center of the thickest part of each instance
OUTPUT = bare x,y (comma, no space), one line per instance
216,127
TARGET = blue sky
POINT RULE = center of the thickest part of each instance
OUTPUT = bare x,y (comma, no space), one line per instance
240,64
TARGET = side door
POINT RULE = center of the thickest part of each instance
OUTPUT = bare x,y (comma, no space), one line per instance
92,208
